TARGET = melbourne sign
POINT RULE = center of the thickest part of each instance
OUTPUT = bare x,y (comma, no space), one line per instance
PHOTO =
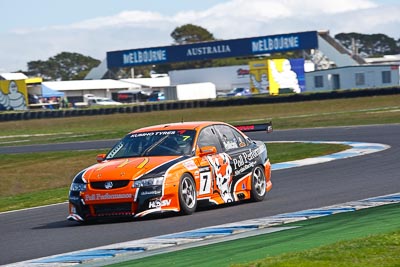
212,50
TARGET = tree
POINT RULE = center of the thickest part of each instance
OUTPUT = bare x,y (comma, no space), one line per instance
190,33
64,66
187,34
369,45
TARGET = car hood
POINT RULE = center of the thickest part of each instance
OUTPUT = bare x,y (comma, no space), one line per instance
128,168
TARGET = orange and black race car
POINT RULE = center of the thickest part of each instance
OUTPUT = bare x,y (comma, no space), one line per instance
173,167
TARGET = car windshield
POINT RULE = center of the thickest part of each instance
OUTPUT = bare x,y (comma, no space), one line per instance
237,90
156,143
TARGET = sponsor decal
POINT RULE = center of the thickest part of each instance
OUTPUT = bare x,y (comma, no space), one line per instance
245,167
154,192
160,133
94,197
190,165
159,203
246,160
204,169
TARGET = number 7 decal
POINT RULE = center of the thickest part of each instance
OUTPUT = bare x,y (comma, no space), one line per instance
205,183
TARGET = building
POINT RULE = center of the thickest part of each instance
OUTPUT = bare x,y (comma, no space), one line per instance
353,77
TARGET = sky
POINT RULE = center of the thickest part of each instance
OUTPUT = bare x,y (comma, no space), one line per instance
40,29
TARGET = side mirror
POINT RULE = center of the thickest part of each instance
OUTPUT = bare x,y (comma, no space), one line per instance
207,150
100,157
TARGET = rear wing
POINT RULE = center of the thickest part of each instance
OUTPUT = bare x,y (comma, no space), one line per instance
255,127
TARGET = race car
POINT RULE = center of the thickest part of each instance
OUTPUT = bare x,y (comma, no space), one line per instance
173,168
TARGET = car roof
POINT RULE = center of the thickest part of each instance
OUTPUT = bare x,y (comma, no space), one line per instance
192,125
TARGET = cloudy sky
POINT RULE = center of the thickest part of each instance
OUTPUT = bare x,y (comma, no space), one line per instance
37,30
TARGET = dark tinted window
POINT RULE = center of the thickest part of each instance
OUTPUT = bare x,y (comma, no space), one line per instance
231,139
239,137
208,137
157,143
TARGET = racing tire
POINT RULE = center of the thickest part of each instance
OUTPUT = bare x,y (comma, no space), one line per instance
187,194
258,184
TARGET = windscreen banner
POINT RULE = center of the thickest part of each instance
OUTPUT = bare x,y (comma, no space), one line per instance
13,95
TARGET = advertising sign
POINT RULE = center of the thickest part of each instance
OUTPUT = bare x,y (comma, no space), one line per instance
259,76
213,50
13,95
286,75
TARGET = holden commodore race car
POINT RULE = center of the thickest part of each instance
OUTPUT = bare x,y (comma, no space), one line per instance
173,168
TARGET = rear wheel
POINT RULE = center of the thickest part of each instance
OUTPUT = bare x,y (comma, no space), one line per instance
187,194
258,184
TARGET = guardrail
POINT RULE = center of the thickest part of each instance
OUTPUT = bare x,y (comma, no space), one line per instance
219,102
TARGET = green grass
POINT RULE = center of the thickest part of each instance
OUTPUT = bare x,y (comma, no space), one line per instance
354,111
378,250
282,152
369,237
24,186
34,199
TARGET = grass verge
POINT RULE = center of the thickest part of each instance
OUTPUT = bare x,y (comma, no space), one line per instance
339,112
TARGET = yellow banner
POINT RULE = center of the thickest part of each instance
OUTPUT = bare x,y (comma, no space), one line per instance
13,95
258,76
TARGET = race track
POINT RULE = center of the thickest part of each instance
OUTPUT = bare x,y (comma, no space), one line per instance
44,231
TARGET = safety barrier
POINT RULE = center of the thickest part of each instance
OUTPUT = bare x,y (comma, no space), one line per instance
219,102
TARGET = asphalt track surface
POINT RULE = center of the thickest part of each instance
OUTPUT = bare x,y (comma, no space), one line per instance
44,231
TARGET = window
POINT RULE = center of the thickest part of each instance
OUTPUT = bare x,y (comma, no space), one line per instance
318,81
229,140
207,137
386,77
241,140
360,78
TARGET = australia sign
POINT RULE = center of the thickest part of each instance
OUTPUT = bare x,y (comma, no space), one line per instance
213,50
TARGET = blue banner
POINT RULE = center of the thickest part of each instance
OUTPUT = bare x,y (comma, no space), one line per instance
213,50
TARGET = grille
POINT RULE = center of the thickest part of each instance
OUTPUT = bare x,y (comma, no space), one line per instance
116,184
119,209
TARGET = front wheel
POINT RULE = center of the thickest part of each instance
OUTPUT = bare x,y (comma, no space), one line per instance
258,184
187,194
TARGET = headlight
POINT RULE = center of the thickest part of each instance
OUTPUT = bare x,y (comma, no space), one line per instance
78,187
78,183
148,182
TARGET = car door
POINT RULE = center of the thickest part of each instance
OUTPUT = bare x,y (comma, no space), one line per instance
206,180
239,151
226,167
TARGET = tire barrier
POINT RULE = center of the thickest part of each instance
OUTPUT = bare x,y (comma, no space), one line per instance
201,103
